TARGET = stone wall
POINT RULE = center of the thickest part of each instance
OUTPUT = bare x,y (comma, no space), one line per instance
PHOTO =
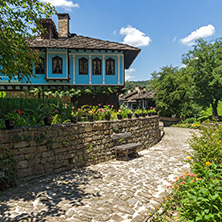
52,149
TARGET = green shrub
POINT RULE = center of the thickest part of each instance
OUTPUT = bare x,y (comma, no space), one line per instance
197,196
8,167
206,146
200,199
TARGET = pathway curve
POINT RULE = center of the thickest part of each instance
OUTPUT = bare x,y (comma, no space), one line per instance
111,191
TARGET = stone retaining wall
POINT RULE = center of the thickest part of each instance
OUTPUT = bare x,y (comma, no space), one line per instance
52,149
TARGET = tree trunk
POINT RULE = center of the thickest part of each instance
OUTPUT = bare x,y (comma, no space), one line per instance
214,108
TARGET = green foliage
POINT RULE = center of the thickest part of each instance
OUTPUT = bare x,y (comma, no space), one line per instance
8,167
197,196
189,123
130,85
207,146
39,139
139,111
20,21
173,92
47,109
200,199
16,138
204,65
2,94
60,93
49,143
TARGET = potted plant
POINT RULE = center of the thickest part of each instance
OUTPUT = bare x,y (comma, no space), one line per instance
138,113
129,113
145,112
74,117
10,119
119,114
152,112
91,115
107,112
47,111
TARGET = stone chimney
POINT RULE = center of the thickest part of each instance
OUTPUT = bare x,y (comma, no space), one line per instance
138,89
63,25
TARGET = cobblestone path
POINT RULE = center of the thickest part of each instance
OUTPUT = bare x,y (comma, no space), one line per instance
111,191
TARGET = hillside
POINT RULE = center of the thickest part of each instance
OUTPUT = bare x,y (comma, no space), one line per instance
132,84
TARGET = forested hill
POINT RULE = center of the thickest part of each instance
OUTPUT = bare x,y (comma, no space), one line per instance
132,84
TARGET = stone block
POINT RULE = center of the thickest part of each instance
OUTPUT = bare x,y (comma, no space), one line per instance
41,149
46,154
22,173
33,143
38,170
23,164
19,158
97,126
23,150
21,144
88,127
5,145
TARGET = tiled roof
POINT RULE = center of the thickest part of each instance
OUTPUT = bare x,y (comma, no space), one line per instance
87,43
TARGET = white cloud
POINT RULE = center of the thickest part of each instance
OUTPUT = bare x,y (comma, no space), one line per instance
175,38
114,32
66,4
128,74
183,66
202,32
134,36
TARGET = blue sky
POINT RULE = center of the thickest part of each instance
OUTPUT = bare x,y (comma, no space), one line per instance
163,29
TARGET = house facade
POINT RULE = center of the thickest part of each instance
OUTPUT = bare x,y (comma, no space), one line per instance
138,98
71,60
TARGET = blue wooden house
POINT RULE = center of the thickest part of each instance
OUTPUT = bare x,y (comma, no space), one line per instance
71,60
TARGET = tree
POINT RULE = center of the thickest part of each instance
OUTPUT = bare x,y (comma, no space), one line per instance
204,64
20,21
173,94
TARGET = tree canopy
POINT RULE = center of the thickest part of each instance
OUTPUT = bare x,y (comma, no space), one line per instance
204,64
20,21
173,94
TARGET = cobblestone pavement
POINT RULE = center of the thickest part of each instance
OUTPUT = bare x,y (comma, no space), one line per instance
110,191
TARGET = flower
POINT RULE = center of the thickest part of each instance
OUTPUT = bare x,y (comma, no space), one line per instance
73,107
19,111
183,183
208,163
189,158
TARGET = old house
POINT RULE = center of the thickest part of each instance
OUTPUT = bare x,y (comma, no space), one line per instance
68,59
138,98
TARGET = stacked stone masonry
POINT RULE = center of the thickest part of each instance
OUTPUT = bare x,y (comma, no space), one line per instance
52,149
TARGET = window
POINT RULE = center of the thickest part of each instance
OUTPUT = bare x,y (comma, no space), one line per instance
110,66
96,66
40,66
83,66
57,65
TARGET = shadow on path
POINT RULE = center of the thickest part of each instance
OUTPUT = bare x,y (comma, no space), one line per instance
47,196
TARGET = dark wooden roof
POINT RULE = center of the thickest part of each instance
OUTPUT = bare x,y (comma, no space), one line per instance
135,95
87,43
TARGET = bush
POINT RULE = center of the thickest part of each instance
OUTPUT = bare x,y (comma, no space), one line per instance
206,146
9,169
197,196
200,199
